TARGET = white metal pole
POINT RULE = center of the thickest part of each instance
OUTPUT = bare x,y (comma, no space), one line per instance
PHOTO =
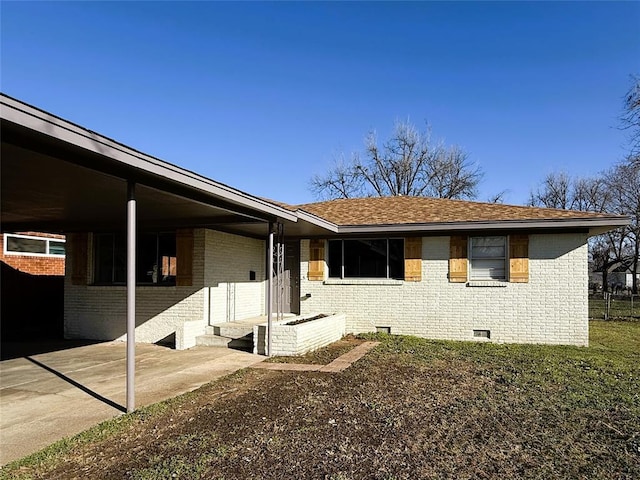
131,295
269,288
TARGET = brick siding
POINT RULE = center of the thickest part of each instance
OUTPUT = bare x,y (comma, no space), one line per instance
551,308
220,291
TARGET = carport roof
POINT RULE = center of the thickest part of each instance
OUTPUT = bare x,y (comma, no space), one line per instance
57,176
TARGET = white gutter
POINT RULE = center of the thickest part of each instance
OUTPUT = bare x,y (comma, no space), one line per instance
575,223
45,123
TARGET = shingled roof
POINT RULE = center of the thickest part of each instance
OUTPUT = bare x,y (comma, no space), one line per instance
421,210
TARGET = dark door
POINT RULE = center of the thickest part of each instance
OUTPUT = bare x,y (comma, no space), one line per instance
292,277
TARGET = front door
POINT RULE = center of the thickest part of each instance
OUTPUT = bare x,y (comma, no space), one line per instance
291,303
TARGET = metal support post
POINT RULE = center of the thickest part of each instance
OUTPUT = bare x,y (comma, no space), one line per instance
269,288
131,295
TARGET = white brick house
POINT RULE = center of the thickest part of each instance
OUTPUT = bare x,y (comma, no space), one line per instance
435,268
464,270
479,272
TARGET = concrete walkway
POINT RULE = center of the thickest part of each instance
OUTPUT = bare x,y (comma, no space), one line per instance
48,396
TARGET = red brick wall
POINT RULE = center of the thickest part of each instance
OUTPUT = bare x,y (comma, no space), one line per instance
34,265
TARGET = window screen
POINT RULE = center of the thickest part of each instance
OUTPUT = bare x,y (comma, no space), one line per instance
488,258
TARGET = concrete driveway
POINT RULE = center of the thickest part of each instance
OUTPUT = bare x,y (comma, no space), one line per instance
48,396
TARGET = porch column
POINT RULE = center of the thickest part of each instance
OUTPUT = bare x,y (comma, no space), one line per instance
269,288
131,294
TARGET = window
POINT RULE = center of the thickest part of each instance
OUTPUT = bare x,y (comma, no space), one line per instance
371,258
488,257
33,246
155,259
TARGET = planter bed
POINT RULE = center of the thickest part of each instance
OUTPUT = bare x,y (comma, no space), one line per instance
297,336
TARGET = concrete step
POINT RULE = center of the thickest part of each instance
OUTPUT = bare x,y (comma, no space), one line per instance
208,340
230,329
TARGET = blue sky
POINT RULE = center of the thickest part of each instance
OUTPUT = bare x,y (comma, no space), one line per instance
260,96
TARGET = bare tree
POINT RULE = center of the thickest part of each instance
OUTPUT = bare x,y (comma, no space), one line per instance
555,192
497,197
598,194
624,185
616,190
559,190
340,182
409,163
630,119
606,252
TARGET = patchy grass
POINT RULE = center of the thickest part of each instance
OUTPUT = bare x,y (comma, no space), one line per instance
411,408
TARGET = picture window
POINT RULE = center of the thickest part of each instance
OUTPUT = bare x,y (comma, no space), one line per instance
366,258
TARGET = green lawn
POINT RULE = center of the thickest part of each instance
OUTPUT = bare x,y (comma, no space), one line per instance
411,408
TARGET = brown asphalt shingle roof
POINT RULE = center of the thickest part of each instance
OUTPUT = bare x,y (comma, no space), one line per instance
408,210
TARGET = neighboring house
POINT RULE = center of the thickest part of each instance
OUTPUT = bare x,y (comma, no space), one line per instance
442,269
617,279
32,285
34,253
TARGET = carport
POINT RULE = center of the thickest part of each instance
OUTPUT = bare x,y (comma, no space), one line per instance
59,177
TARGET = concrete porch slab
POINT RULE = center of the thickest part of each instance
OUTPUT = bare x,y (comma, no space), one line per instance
48,396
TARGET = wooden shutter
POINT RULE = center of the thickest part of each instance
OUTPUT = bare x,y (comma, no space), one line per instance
316,260
184,260
79,258
519,258
413,259
458,259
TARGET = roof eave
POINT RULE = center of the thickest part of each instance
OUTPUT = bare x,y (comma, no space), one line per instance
595,226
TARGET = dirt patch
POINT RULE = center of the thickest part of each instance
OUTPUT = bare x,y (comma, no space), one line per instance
324,355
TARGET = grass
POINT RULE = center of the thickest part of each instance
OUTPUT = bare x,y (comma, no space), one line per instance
411,408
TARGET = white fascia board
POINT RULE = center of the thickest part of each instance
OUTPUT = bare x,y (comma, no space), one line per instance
42,122
599,225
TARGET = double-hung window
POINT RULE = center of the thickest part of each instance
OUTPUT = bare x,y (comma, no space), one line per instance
488,258
155,259
366,258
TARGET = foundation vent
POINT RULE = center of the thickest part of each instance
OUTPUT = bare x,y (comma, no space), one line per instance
482,333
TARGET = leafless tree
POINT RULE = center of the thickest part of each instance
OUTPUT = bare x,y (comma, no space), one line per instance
606,252
616,190
624,187
340,182
409,163
497,197
559,190
630,119
555,192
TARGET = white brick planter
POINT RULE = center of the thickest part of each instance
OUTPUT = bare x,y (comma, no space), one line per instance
302,338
